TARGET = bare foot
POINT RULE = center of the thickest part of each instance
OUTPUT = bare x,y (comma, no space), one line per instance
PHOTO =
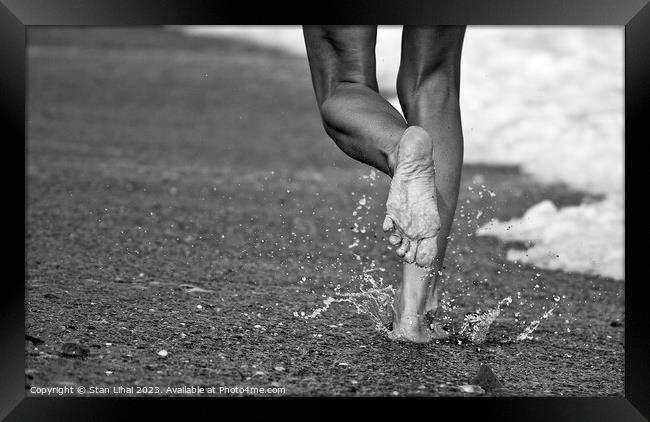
411,208
411,328
416,328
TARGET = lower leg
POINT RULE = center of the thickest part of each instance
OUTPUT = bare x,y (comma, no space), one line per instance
442,121
431,100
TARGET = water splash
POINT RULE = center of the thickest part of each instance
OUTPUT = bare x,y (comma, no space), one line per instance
476,326
526,334
375,302
374,297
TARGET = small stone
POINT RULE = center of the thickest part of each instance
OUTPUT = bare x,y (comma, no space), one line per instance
486,379
163,353
279,368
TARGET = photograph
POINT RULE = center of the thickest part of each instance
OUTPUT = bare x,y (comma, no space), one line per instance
325,210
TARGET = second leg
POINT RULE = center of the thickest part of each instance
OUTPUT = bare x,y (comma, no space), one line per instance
428,90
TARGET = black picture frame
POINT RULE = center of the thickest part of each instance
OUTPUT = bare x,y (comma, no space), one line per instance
17,15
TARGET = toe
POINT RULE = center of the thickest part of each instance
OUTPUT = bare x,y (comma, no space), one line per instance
389,224
395,239
401,251
427,250
410,254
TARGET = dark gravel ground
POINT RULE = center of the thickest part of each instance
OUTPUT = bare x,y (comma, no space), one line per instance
178,191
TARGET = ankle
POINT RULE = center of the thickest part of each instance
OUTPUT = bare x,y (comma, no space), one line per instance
409,315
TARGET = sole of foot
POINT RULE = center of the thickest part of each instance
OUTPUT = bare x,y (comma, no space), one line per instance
411,208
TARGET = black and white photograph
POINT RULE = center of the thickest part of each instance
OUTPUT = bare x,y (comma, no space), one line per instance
325,210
